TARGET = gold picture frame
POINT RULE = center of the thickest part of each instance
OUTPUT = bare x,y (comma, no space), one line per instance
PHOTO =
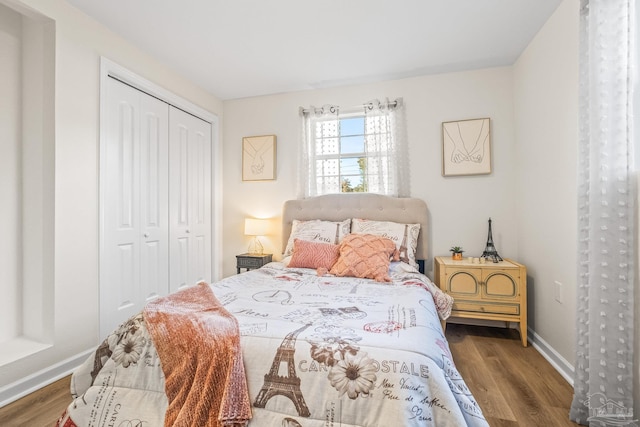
259,158
466,147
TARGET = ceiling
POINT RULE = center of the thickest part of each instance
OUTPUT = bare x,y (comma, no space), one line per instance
243,48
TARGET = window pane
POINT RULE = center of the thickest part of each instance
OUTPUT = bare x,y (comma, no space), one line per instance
326,128
352,170
352,126
352,184
327,146
349,166
352,144
327,185
327,167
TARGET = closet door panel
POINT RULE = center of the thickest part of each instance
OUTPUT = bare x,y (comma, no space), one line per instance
201,216
120,210
189,199
134,218
179,205
154,189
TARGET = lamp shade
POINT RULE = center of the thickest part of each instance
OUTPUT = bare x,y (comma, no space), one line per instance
256,227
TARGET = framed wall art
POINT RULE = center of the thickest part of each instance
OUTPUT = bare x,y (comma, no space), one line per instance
259,158
466,147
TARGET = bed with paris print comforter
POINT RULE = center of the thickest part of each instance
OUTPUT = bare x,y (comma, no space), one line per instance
280,346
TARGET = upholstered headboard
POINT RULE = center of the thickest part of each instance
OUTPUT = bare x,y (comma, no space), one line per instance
338,207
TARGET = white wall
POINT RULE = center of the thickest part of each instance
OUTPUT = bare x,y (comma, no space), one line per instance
546,135
10,172
459,207
80,42
530,195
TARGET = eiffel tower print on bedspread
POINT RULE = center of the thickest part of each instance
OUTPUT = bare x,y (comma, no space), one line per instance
289,385
403,254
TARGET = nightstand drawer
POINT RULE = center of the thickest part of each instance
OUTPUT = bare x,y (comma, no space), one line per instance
252,261
245,262
483,307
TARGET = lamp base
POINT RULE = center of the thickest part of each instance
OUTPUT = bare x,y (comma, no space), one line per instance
255,247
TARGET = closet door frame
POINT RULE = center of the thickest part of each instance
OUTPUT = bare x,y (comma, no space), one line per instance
108,70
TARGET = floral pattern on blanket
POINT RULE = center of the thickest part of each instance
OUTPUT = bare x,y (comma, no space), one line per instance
121,383
124,345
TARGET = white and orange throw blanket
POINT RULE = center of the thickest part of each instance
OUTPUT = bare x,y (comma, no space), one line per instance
178,363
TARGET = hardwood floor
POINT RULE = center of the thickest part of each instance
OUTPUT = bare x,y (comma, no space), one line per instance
514,385
39,409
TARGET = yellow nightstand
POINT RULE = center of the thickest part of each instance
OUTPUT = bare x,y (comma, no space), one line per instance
490,291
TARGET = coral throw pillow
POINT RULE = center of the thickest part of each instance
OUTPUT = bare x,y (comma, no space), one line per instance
405,236
313,254
365,256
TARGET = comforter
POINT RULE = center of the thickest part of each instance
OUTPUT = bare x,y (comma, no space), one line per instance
318,351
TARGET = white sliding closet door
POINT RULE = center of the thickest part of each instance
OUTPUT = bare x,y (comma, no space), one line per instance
189,199
134,260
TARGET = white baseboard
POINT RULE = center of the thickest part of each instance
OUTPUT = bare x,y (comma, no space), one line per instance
14,391
560,364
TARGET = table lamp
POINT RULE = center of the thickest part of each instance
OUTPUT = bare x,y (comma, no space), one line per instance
256,227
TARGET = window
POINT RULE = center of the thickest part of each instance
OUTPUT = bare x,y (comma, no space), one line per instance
341,158
356,152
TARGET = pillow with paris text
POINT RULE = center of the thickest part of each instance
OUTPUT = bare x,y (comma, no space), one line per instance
317,231
405,236
365,256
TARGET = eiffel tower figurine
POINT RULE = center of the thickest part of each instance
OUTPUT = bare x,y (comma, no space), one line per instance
490,250
289,385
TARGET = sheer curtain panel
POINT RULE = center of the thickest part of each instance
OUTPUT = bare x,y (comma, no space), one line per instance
386,147
603,383
318,124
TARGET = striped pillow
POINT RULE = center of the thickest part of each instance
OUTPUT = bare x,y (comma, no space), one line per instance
308,254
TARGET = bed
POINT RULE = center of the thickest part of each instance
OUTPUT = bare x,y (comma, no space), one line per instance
329,336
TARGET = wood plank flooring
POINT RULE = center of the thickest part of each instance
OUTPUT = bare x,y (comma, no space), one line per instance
38,409
515,386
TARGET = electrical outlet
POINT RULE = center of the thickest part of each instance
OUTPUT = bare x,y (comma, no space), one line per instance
558,291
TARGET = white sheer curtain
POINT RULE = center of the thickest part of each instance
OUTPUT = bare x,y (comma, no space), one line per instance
603,384
386,149
317,124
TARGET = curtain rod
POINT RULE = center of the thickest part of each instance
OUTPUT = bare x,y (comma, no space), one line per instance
335,108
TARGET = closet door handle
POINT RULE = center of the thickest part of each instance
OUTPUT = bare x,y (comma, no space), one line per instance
187,231
146,234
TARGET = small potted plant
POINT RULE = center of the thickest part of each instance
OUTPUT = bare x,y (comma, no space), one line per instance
456,253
